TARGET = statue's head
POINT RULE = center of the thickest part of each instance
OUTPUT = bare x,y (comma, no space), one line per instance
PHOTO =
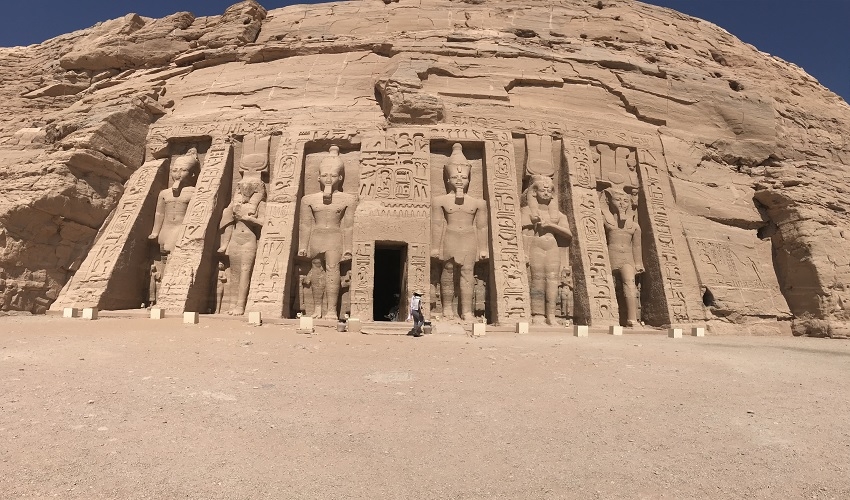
620,203
457,171
317,263
331,173
184,168
542,188
249,187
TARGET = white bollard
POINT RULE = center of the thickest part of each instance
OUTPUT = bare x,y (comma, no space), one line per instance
255,318
698,331
305,323
354,325
674,333
89,313
190,318
157,313
70,312
615,330
522,327
479,329
580,331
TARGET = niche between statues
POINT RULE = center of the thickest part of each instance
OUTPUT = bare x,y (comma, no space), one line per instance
634,264
546,233
241,223
165,219
460,281
321,276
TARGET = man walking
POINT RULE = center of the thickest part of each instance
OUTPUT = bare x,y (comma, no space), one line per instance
416,313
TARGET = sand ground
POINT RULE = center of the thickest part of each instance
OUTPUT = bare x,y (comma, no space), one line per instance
136,408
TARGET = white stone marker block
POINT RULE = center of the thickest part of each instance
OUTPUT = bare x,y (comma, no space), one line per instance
698,331
354,325
479,329
522,327
89,313
305,323
70,312
157,313
615,330
255,318
190,318
580,330
674,333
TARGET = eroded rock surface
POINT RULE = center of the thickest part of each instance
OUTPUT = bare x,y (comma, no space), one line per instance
753,151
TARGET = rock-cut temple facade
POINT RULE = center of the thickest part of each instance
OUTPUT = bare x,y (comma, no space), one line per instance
559,162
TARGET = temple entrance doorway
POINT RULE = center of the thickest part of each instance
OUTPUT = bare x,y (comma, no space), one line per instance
388,299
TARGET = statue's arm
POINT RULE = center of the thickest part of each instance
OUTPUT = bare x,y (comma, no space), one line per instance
348,228
482,232
561,228
305,228
226,229
438,223
158,217
637,252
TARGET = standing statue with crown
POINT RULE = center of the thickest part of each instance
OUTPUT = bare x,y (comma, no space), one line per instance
242,221
327,227
459,236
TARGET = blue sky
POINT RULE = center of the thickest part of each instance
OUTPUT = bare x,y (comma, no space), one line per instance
813,34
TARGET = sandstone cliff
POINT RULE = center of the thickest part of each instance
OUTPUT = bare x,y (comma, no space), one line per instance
757,150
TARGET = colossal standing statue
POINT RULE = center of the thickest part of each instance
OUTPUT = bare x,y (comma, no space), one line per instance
459,235
241,222
172,203
327,226
547,237
624,247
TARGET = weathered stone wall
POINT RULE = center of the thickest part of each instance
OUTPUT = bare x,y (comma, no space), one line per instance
741,157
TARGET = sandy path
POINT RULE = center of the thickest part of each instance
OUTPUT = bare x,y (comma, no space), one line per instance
135,408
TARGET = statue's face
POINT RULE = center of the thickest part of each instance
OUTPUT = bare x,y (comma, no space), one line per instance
317,264
329,176
180,171
246,189
459,180
621,202
544,191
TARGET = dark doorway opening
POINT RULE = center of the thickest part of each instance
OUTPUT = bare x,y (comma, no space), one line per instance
387,299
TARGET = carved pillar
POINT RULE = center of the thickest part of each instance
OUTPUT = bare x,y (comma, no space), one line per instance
507,253
270,280
114,272
679,302
394,207
595,302
362,280
186,283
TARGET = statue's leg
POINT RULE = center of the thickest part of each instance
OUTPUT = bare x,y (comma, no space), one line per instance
537,285
236,263
552,269
246,266
447,289
465,288
332,281
627,275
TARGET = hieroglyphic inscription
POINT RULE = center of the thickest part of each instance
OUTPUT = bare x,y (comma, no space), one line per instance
90,283
419,272
182,287
394,165
595,301
567,128
362,280
675,290
274,250
508,258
